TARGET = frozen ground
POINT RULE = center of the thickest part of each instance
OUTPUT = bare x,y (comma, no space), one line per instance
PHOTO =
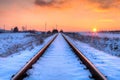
12,64
107,42
109,65
10,39
108,35
58,63
14,42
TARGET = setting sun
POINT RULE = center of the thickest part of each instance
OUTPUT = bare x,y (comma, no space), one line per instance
94,30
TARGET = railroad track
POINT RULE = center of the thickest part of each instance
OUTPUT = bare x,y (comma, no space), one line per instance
96,74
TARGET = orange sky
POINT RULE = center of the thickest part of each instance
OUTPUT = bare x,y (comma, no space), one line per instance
69,15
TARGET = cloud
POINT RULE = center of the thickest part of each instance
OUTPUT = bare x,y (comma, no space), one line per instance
100,4
50,3
106,4
12,4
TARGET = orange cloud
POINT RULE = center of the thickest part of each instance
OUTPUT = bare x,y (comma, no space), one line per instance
103,5
51,3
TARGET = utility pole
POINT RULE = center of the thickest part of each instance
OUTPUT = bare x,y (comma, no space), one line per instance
56,26
26,27
4,27
45,26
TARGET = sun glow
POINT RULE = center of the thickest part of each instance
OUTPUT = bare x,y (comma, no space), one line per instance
94,30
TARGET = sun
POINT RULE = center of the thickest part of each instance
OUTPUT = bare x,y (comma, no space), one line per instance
94,30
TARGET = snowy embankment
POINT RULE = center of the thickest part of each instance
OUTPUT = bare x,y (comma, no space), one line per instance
15,42
11,64
106,63
107,42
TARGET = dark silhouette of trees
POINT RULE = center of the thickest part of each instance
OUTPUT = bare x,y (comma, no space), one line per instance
15,29
54,31
48,32
61,31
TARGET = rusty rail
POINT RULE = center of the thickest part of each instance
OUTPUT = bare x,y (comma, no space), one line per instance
96,74
21,74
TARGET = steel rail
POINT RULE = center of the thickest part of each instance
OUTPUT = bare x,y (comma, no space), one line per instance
20,75
96,74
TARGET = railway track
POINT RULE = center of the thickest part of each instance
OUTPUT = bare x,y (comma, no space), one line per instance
96,74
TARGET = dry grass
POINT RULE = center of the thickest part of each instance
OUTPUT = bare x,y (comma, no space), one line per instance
108,45
36,39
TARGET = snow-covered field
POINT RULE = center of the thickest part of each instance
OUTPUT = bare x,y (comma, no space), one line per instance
107,42
15,42
11,64
103,35
106,63
68,67
58,63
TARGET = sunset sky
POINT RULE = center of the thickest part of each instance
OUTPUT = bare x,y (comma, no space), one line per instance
69,15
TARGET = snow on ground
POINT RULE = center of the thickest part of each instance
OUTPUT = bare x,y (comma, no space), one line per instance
107,42
103,35
12,64
58,63
13,42
109,65
8,39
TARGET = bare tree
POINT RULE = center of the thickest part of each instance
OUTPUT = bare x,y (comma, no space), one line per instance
15,29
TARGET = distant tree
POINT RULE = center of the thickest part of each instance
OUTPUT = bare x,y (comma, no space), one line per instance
55,31
49,32
31,31
15,29
61,31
